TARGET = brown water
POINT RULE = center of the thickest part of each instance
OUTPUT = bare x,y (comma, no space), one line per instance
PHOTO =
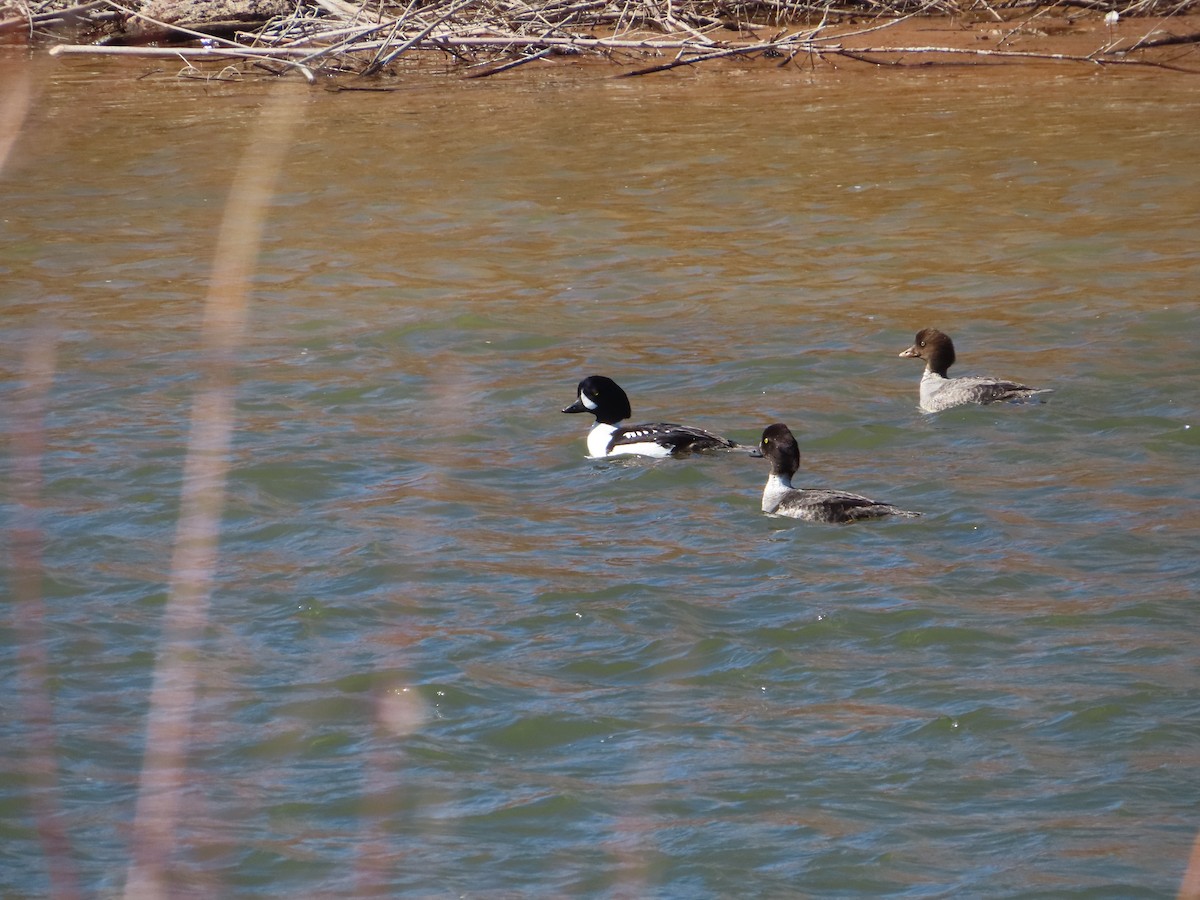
445,654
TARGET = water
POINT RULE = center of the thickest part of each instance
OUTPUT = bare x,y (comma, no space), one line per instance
446,655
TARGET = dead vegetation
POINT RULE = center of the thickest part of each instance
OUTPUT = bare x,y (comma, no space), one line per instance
479,38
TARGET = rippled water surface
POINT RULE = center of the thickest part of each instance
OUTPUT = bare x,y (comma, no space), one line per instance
447,655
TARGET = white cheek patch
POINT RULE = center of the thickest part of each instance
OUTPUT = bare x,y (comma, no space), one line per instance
587,401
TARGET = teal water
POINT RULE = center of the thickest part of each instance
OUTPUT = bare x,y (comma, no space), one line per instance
447,655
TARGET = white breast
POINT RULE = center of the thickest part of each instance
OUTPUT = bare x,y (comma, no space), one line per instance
598,438
931,385
776,489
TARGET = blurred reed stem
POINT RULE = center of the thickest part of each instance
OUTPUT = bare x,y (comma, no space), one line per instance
193,566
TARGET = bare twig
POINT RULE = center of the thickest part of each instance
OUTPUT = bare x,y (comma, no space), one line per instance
541,54
449,13
1146,41
1165,41
50,18
493,36
233,47
692,60
1006,54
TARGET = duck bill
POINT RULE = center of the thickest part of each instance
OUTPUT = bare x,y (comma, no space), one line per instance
911,351
575,407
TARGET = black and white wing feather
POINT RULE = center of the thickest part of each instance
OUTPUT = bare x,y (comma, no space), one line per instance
674,439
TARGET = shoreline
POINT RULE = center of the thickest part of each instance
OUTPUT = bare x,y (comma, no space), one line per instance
349,49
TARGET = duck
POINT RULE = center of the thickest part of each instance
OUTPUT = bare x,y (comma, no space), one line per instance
778,446
605,399
939,391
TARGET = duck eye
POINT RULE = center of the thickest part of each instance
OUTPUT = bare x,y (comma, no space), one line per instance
922,343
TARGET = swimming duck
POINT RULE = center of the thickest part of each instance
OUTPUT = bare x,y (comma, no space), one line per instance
939,391
779,447
604,398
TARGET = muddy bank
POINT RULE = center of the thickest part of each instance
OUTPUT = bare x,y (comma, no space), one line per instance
330,38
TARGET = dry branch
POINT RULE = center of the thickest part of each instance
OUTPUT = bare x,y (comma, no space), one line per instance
1165,41
865,52
71,16
496,70
494,36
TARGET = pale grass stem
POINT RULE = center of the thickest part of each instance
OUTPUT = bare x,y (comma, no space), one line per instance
26,541
193,565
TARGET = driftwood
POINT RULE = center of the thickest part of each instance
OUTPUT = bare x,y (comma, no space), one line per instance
865,53
490,37
286,55
88,15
